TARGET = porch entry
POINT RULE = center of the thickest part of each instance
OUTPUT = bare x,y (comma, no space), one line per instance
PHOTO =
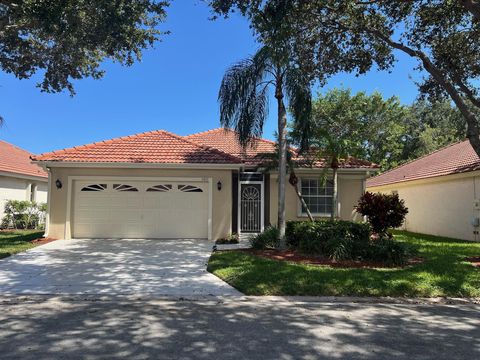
251,195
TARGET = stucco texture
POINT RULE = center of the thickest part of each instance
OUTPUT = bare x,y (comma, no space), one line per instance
442,206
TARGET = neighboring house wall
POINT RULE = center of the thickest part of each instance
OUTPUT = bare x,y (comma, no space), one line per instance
221,200
350,189
12,188
442,206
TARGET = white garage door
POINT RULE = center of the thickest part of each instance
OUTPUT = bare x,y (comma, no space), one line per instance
140,209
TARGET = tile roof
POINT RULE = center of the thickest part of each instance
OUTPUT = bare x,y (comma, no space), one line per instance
226,140
150,147
17,161
453,159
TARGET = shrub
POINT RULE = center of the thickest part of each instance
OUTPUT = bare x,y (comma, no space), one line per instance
267,239
389,251
383,211
230,239
23,215
336,239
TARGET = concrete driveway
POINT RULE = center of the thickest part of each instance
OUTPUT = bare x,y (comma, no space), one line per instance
111,267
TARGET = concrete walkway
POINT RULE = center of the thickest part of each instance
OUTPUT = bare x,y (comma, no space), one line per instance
110,267
231,329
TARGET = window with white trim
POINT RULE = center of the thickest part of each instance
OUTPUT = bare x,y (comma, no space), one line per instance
318,196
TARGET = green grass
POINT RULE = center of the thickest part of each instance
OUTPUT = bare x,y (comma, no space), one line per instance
444,273
12,242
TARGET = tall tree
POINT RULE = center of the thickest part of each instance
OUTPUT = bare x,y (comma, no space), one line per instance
67,40
289,67
442,35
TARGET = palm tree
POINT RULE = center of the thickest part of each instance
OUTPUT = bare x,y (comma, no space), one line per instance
243,99
270,162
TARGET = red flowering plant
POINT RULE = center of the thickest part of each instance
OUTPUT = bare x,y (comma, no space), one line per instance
383,211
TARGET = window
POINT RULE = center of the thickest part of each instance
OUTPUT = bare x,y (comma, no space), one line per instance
95,187
33,192
189,188
124,187
160,188
317,195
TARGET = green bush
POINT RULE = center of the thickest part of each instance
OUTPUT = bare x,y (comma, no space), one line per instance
267,239
23,215
322,237
389,252
345,240
229,239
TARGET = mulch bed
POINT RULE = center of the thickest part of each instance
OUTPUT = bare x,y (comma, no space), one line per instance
42,241
475,260
296,257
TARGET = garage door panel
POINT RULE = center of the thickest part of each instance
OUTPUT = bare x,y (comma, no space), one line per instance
155,210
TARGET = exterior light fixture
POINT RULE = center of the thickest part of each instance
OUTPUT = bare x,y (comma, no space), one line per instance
219,185
58,184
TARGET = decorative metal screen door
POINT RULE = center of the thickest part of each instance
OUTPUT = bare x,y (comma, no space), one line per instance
250,208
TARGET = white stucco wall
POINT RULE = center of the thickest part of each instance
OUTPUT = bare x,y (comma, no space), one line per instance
442,206
13,188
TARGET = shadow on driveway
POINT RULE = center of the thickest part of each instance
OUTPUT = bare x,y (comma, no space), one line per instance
99,266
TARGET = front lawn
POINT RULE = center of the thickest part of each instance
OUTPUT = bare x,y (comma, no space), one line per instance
443,273
12,242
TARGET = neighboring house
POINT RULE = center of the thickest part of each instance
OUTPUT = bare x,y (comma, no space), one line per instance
19,178
160,185
441,191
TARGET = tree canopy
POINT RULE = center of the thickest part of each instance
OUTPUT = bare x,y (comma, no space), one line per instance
68,40
382,130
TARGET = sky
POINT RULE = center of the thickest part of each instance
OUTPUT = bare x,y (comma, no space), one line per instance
174,88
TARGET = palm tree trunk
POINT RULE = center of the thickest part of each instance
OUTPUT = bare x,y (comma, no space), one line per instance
335,188
282,161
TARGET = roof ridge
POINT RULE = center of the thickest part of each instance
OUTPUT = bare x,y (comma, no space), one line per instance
16,146
418,159
201,146
231,130
76,147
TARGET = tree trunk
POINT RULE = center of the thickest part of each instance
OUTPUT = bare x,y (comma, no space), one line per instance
304,204
335,193
282,161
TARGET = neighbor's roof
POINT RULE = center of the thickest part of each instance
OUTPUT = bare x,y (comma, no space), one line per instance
150,147
227,141
17,161
453,159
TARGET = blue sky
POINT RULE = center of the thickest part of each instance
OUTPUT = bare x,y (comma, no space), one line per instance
173,88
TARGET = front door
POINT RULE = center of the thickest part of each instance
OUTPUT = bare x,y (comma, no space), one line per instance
251,209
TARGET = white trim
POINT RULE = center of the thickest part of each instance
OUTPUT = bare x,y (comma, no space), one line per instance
49,192
262,205
136,165
71,179
24,177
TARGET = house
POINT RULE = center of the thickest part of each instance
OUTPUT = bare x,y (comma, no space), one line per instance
160,185
441,191
19,178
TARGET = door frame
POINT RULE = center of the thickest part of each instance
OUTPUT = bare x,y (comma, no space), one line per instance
262,204
70,194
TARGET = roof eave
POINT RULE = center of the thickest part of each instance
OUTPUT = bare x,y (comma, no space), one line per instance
135,165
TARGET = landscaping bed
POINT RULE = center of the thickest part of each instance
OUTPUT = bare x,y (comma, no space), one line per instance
294,256
445,271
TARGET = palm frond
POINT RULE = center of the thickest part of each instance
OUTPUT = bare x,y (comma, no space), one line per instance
298,91
243,96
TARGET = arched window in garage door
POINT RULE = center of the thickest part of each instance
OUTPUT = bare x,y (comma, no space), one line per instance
124,187
189,188
160,188
95,187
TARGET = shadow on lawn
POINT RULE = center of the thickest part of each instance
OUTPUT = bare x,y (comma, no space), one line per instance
237,330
